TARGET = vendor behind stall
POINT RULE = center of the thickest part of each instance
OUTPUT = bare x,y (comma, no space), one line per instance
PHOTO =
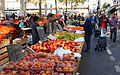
19,32
51,23
35,36
22,23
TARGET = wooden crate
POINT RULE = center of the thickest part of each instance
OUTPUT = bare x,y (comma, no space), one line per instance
4,55
3,61
2,50
5,43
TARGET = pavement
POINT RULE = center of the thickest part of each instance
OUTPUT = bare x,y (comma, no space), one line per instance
101,62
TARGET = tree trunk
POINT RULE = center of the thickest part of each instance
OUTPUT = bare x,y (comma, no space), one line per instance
56,6
66,5
40,10
25,8
51,8
71,5
21,7
45,9
2,7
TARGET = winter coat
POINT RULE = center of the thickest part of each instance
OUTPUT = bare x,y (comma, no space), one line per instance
87,27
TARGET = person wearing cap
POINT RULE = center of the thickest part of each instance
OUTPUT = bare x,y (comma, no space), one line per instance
51,23
113,27
88,32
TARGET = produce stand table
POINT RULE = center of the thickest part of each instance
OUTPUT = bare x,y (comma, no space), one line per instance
41,48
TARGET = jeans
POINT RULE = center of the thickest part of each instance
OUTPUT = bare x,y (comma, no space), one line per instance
87,40
113,34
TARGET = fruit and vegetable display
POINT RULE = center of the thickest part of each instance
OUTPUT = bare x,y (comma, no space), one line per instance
34,67
82,22
72,22
74,28
5,30
68,35
52,45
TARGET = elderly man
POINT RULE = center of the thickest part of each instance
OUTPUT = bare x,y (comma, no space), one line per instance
88,32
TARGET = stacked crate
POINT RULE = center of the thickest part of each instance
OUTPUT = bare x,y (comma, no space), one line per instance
3,51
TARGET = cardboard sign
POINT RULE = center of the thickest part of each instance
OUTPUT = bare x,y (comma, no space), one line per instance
14,52
41,33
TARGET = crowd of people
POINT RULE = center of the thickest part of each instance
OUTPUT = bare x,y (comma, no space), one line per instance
95,22
92,22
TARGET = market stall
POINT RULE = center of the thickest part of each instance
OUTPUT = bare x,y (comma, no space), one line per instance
59,54
52,57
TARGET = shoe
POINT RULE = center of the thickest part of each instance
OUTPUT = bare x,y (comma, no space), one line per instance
87,51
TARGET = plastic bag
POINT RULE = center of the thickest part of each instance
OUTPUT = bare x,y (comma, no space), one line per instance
79,32
81,39
61,51
50,36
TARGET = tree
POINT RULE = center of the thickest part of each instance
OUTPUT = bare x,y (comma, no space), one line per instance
56,6
36,2
71,1
2,7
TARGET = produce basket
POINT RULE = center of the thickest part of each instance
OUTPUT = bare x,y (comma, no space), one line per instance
9,66
62,73
49,66
46,72
66,63
28,66
66,69
14,72
37,66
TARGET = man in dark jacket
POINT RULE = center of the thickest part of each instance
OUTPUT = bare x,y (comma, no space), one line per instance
88,32
93,21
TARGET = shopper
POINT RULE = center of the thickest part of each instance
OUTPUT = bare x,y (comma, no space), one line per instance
103,23
88,32
13,16
113,27
79,17
75,17
82,17
65,17
93,21
35,36
97,19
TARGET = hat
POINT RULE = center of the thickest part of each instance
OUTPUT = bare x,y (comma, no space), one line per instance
50,15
